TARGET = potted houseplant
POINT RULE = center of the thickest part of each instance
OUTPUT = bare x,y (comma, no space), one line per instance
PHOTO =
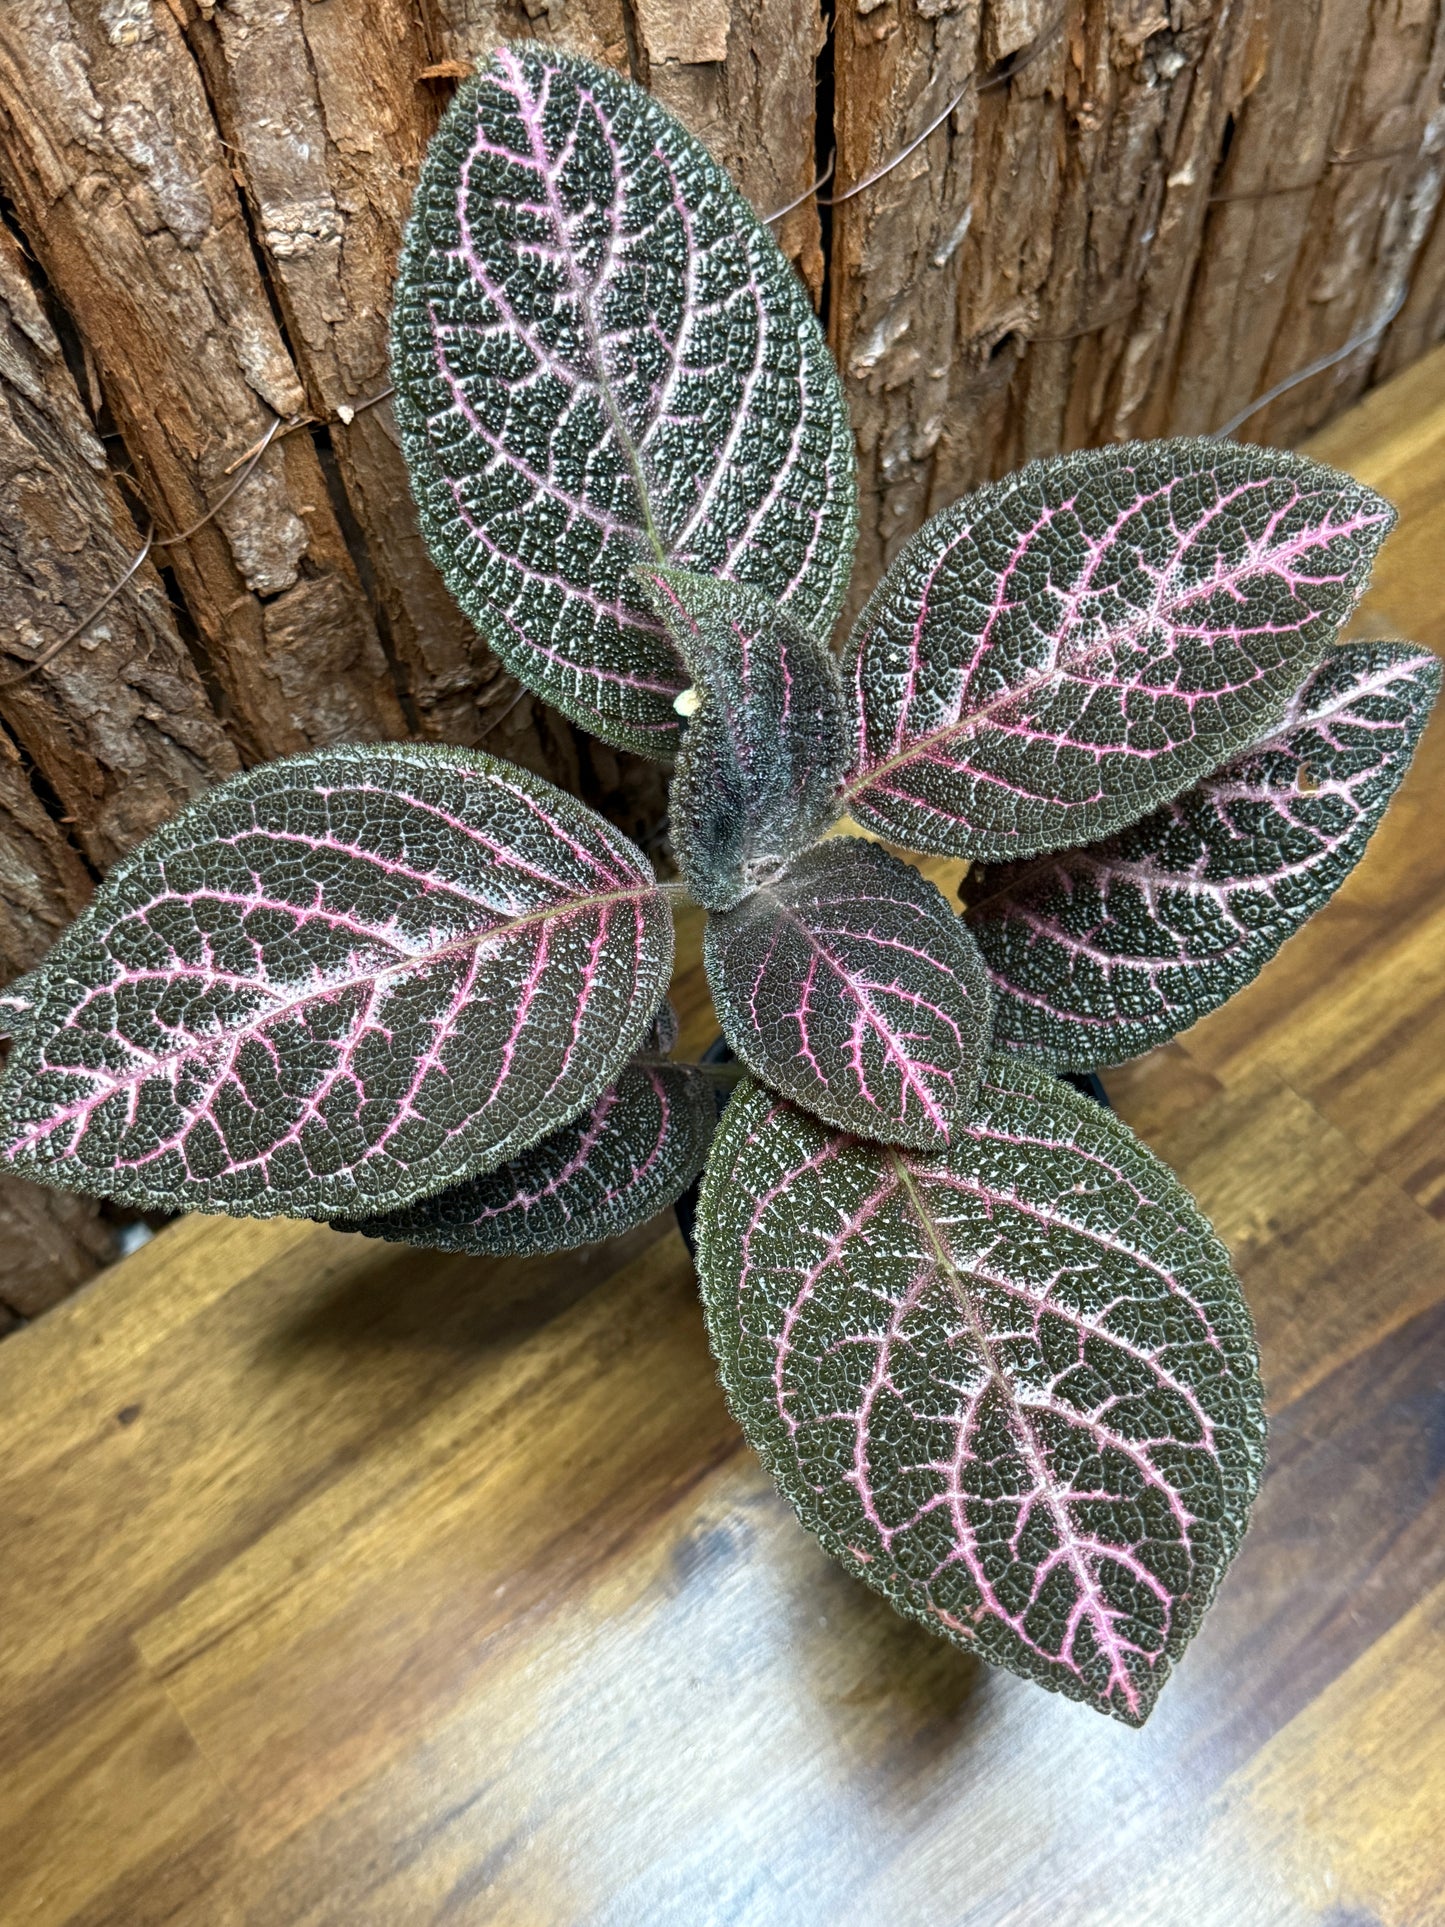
979,1335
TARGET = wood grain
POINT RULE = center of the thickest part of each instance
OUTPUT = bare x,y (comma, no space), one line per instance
1137,218
355,1586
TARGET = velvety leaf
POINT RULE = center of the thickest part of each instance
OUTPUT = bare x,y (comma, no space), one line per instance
1058,654
601,359
851,986
1101,953
765,747
628,1156
1011,1385
337,983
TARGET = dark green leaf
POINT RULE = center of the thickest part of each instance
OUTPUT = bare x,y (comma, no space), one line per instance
851,986
1056,655
601,358
17,1003
631,1154
1011,1385
1101,953
336,984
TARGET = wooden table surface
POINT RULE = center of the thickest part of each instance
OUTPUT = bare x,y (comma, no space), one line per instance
346,1584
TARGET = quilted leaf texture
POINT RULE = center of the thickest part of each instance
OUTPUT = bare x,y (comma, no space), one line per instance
601,358
1011,1385
1101,953
1059,653
337,983
850,985
627,1157
765,748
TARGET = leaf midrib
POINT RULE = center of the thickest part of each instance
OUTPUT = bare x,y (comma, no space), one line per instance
1024,1433
1064,664
909,1075
1275,738
582,295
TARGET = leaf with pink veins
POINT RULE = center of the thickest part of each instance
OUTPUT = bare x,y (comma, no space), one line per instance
1011,1384
335,984
1061,652
630,1154
850,985
1101,953
602,359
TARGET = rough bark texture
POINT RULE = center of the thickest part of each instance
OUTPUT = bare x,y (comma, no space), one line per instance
43,882
1138,216
326,120
115,164
741,75
118,725
49,1242
118,729
465,31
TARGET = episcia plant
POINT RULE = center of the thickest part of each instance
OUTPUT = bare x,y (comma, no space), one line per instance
977,1333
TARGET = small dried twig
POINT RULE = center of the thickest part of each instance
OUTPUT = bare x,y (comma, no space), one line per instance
277,432
152,541
80,627
807,193
497,721
250,459
872,180
246,463
346,414
1355,342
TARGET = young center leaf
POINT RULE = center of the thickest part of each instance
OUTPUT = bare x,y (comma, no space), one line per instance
765,746
1011,1385
1054,656
1100,953
850,985
337,983
601,358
